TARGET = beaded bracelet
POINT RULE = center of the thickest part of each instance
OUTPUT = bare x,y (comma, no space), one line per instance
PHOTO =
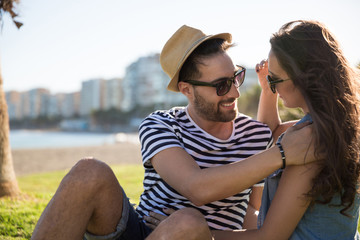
282,154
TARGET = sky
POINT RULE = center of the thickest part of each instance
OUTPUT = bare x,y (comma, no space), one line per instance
65,42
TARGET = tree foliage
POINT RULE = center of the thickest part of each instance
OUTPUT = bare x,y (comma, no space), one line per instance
9,6
249,101
110,117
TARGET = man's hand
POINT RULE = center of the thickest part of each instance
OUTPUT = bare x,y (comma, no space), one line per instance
154,219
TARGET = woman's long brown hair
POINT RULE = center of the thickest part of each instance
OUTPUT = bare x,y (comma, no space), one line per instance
313,59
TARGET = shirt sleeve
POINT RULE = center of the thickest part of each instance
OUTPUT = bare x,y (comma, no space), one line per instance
269,144
156,135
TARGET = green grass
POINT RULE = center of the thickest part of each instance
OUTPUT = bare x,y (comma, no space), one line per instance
19,217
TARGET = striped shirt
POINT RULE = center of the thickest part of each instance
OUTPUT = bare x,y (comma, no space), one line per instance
174,128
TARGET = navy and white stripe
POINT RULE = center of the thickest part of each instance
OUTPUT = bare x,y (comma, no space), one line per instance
174,128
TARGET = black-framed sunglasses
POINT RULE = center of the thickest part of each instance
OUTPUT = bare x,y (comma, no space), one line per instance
273,82
223,85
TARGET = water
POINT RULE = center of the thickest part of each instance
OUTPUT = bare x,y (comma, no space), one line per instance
20,139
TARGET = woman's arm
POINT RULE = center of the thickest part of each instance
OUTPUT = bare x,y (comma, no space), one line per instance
252,211
287,207
268,102
268,111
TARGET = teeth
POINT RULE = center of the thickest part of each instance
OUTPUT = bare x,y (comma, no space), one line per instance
228,104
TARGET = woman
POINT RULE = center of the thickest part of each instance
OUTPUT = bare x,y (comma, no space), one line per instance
307,69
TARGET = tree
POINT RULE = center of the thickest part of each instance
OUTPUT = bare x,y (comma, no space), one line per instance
249,100
8,182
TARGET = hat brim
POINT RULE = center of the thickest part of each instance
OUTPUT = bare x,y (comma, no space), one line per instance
173,84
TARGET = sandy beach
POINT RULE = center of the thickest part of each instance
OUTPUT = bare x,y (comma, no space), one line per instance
28,161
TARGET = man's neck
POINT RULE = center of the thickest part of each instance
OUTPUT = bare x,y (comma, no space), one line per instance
220,130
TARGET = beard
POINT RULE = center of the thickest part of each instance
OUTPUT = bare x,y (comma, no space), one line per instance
212,111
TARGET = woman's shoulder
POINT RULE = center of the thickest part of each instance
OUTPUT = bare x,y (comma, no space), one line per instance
303,171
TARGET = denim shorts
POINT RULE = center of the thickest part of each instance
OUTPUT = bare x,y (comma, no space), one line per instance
130,227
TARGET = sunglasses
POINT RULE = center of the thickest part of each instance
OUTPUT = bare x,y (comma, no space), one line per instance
223,85
273,82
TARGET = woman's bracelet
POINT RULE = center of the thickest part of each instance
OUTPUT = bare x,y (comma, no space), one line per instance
282,154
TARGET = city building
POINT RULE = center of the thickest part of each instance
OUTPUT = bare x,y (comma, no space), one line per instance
13,100
145,85
91,97
54,103
113,94
37,102
70,106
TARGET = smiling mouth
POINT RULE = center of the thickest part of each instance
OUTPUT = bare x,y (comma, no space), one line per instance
228,105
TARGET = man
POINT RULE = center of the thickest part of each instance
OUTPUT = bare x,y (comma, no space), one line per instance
198,156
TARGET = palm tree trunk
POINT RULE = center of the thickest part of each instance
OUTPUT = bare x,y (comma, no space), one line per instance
8,182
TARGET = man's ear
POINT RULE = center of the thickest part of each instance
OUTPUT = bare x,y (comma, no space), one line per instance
185,88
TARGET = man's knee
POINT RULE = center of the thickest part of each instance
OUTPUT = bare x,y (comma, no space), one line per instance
91,168
190,219
187,223
90,173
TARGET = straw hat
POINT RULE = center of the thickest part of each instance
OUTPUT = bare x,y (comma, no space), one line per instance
179,47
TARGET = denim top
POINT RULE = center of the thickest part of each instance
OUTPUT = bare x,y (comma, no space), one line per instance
321,221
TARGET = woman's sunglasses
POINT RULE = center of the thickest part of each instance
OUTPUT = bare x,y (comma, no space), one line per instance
273,82
223,85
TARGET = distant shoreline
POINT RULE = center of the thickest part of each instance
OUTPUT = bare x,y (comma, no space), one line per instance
72,131
30,161
37,139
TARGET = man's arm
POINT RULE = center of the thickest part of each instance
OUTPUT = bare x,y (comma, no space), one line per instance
203,186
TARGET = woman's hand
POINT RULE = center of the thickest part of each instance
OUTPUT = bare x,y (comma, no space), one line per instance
298,143
154,219
267,109
262,71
